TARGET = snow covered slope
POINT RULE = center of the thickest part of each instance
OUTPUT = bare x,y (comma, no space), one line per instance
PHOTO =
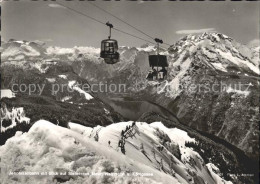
148,158
155,146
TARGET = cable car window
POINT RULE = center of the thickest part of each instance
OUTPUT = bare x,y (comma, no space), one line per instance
106,48
102,46
111,49
115,46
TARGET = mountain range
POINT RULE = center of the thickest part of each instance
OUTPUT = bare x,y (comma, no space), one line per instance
212,91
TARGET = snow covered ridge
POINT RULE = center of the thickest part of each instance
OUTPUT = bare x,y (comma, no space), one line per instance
151,155
32,51
219,50
11,119
75,50
14,48
28,50
148,146
19,50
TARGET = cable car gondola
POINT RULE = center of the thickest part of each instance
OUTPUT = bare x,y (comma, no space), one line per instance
157,61
109,48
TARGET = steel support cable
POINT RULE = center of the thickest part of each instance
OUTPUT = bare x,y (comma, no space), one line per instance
120,19
123,21
83,14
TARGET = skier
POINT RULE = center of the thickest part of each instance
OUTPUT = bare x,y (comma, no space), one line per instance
122,146
96,137
122,133
123,150
161,165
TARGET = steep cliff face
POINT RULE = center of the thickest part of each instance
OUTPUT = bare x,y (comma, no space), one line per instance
231,114
215,89
213,86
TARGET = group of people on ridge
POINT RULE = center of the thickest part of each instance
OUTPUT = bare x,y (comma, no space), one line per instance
121,142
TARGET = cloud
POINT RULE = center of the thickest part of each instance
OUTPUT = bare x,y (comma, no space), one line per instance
47,40
254,43
195,31
140,2
42,41
56,6
39,42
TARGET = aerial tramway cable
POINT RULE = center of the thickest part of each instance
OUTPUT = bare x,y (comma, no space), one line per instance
109,47
124,21
83,14
119,19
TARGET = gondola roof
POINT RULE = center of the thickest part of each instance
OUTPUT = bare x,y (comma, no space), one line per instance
158,60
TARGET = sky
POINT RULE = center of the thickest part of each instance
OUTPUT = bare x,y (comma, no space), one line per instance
59,26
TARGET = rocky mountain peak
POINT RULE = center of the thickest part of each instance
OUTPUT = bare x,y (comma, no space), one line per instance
218,51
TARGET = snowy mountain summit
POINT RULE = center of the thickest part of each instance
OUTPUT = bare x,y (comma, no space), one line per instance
153,154
219,52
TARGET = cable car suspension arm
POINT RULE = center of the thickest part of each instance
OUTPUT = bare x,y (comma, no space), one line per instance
158,41
110,26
